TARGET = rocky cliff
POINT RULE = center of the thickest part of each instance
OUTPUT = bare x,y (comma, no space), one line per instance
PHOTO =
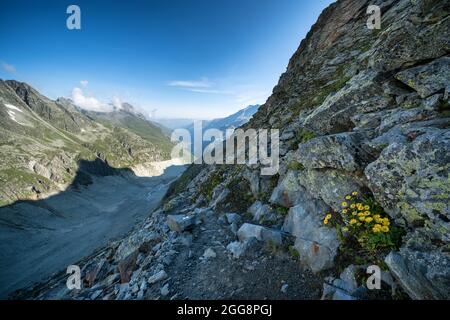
364,124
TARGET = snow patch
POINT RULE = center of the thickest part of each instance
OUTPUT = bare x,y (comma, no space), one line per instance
12,115
10,106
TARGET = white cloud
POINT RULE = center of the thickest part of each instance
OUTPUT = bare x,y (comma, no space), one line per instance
84,83
88,103
117,102
191,84
8,67
198,86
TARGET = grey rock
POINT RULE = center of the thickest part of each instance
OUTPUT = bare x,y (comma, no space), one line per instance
330,185
288,192
342,295
423,275
180,223
247,231
340,151
261,211
209,254
429,78
316,244
410,179
236,248
165,290
233,218
157,277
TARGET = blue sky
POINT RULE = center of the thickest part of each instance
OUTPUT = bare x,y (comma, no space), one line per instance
185,58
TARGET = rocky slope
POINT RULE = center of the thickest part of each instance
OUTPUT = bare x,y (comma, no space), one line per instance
360,112
42,142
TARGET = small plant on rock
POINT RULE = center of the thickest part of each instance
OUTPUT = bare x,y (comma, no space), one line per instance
364,222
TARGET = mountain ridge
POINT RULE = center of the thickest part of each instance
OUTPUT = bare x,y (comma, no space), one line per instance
42,141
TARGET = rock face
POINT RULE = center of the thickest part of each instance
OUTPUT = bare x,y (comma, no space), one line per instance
367,111
358,110
429,78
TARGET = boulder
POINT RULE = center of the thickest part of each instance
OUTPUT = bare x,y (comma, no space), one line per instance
233,218
248,231
410,179
127,266
237,248
339,151
429,78
261,212
95,271
288,192
330,185
157,277
180,223
316,243
422,274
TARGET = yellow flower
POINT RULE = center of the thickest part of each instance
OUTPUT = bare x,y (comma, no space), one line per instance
353,206
353,221
367,213
348,198
354,213
369,219
362,219
385,229
376,230
360,214
344,204
386,222
354,193
325,221
328,217
367,207
344,211
377,216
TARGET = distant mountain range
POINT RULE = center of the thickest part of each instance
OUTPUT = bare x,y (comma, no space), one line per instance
42,141
231,122
234,121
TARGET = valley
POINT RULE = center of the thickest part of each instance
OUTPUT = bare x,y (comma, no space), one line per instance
39,238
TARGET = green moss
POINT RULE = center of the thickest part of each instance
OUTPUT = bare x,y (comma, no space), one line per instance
282,210
303,135
294,253
296,166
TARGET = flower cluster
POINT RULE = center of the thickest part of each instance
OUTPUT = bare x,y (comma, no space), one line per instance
358,214
364,220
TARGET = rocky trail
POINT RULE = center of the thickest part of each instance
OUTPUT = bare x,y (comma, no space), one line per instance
194,262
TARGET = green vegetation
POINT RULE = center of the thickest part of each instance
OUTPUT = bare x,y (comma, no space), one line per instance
182,182
364,229
297,166
294,253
